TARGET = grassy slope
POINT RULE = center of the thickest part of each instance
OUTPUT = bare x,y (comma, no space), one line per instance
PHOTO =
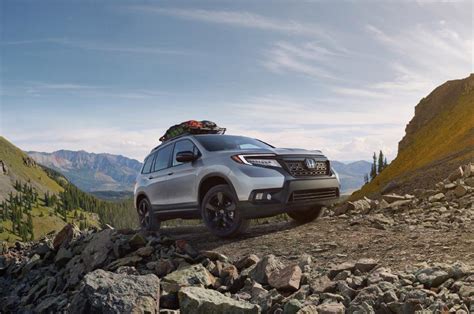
45,221
13,157
449,135
39,179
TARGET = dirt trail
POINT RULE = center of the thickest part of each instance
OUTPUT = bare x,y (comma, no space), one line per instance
339,239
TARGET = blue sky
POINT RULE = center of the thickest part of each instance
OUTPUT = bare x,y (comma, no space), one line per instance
112,76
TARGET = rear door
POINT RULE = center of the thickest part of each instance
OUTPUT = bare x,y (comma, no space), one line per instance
182,187
159,176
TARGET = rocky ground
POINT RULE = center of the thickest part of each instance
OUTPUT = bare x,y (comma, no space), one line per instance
400,254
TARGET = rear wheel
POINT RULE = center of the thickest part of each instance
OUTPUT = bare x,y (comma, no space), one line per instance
145,216
307,215
220,214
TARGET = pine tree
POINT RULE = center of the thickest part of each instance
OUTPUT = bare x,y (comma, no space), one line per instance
373,171
366,178
380,162
385,163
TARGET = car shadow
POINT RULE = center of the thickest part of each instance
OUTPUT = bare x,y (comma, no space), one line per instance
202,239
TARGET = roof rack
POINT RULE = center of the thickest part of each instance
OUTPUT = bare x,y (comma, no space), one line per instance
191,127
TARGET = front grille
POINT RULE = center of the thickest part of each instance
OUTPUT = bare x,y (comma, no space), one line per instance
298,168
309,195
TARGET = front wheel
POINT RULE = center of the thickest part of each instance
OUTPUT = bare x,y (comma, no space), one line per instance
219,212
307,215
145,216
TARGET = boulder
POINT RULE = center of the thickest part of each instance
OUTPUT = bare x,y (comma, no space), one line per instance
456,174
264,268
65,236
137,241
63,256
105,292
432,277
247,261
365,264
287,279
322,284
336,269
437,197
468,170
193,275
460,190
390,198
200,300
331,308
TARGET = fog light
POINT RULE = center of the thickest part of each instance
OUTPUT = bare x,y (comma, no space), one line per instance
269,196
259,196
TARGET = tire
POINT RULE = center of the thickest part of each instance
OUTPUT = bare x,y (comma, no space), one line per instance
307,215
145,216
220,214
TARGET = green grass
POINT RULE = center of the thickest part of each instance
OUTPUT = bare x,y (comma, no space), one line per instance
13,157
45,221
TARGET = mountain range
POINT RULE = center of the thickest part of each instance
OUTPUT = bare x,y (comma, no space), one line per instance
92,172
97,173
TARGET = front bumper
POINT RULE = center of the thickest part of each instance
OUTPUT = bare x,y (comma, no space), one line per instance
295,195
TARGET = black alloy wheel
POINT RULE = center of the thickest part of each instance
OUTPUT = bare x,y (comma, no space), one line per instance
220,213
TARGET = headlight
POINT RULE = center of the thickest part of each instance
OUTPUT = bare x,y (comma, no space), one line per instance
255,161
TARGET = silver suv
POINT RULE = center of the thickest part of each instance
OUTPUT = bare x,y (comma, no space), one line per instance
227,180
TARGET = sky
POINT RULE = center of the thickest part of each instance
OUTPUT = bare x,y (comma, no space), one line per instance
112,76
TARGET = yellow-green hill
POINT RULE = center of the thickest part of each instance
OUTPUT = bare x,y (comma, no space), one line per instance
17,165
438,139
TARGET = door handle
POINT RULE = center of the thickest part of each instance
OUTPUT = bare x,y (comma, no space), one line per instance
170,173
151,177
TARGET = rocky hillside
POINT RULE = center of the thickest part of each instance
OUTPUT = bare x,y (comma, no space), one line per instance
438,138
15,165
118,271
92,172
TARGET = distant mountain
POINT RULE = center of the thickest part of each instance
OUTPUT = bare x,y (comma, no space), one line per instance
439,138
90,171
351,174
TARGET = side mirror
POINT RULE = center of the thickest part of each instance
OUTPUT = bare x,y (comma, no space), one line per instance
186,156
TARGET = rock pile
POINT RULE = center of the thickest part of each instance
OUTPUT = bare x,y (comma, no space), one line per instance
450,204
126,271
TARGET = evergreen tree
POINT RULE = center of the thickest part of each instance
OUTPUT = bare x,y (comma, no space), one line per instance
380,162
366,178
385,163
373,171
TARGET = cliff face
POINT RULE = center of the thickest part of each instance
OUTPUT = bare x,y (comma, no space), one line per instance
437,139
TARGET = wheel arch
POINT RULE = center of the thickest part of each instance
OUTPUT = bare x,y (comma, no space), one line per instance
209,181
138,199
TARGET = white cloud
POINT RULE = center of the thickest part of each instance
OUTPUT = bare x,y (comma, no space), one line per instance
97,46
238,19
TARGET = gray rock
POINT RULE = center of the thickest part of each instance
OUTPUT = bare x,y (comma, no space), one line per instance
389,187
194,275
432,277
264,268
292,306
322,284
365,264
106,292
331,308
63,256
247,261
200,300
287,279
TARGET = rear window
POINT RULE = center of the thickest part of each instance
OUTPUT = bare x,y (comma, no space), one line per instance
148,163
215,143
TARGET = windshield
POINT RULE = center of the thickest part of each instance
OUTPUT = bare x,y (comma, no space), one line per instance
215,143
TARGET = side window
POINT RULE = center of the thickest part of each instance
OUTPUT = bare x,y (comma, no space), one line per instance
163,158
148,163
182,146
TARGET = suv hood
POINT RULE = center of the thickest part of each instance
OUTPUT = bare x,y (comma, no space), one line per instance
295,152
